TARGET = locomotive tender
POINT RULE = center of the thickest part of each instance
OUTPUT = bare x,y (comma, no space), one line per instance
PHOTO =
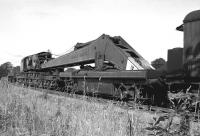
191,50
118,70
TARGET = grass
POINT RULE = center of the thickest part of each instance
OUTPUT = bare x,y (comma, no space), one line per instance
25,112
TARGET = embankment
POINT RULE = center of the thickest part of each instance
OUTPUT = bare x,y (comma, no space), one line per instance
26,111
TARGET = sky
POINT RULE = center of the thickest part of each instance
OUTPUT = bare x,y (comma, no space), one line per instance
31,26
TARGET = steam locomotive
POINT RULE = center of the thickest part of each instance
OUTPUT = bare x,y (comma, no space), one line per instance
110,67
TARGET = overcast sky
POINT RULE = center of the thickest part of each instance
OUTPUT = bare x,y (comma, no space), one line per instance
31,26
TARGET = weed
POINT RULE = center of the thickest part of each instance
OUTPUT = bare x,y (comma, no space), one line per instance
164,126
26,112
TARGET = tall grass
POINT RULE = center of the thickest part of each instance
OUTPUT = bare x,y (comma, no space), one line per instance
25,112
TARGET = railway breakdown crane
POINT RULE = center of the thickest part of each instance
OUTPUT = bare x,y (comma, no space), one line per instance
117,71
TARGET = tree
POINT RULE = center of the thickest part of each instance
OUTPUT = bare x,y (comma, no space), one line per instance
5,68
158,63
16,70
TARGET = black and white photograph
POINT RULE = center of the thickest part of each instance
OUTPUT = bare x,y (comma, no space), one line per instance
99,68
